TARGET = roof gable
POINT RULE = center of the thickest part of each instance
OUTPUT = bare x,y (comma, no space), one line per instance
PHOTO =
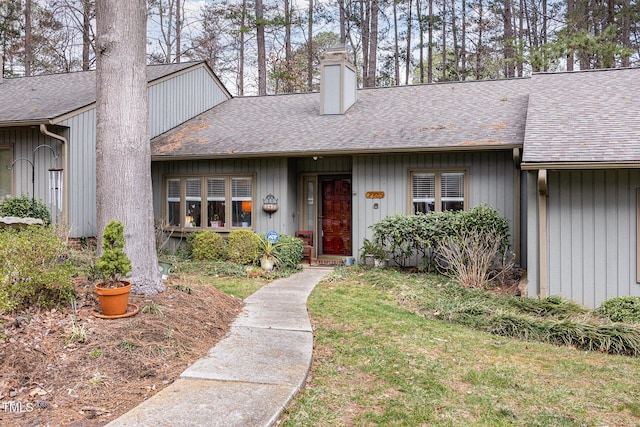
42,98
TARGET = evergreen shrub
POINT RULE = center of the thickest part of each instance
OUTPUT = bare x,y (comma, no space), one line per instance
621,309
34,269
243,247
209,246
24,207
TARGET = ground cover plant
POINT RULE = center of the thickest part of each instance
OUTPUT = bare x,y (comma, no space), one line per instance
391,350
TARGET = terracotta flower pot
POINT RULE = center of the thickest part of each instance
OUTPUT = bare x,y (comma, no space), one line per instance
113,301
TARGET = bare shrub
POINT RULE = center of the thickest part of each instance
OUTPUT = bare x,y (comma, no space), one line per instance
469,255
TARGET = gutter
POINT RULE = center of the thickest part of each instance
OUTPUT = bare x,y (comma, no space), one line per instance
581,165
348,152
65,170
542,234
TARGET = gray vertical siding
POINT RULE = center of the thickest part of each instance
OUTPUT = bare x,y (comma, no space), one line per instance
81,137
178,99
272,177
24,141
592,234
490,181
171,102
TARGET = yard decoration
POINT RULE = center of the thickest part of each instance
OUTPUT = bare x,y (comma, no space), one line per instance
114,265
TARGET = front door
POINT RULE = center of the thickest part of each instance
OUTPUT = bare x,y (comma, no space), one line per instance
335,214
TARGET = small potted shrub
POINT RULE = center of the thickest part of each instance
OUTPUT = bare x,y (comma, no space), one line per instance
113,265
373,254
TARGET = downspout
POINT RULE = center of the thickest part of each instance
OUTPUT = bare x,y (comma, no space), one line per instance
542,232
65,170
518,203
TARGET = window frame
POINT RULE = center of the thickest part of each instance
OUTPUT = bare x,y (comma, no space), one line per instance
437,172
228,225
10,149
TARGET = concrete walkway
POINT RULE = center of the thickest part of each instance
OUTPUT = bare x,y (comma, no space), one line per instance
249,377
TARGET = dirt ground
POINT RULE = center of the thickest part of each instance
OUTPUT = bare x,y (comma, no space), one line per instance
54,373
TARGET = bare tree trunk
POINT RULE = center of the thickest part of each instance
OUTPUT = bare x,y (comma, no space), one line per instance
310,47
479,48
123,153
421,41
444,40
396,48
626,33
343,32
288,86
544,34
463,47
28,39
365,12
262,59
178,29
509,69
408,55
568,20
430,46
243,23
520,69
86,35
373,44
454,31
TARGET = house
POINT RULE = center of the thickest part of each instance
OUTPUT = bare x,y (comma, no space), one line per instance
557,154
47,132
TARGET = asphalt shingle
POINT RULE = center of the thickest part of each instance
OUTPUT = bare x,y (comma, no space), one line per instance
46,97
583,117
457,115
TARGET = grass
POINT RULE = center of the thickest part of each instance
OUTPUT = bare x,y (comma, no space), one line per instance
382,359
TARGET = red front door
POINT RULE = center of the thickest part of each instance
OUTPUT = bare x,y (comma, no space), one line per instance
335,218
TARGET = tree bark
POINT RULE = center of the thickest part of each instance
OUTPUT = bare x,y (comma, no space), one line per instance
28,39
430,45
310,48
86,35
396,47
243,23
373,44
288,86
262,59
179,4
408,54
444,40
123,153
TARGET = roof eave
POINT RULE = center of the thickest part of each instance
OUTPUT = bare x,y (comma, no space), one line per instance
333,152
580,165
23,123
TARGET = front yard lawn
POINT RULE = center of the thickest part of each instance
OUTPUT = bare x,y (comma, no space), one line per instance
384,356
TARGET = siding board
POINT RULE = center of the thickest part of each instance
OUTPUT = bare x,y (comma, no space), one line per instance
592,229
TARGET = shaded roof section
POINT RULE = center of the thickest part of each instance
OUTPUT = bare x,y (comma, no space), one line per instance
485,114
584,117
42,98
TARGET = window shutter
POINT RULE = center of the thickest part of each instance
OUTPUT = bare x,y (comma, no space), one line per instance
194,192
216,189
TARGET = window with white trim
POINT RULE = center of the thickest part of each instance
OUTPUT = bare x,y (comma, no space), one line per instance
218,202
436,191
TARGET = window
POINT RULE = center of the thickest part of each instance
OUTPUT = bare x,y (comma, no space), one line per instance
226,197
6,158
435,191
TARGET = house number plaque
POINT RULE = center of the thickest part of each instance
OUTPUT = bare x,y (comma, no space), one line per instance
374,195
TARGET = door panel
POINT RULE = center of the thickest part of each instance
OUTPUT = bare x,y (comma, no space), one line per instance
336,215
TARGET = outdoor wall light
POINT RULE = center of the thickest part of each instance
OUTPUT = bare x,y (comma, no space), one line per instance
270,204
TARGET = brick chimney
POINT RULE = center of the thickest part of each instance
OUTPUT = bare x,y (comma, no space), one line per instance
338,82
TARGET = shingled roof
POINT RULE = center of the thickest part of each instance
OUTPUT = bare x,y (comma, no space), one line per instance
583,117
41,98
474,115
